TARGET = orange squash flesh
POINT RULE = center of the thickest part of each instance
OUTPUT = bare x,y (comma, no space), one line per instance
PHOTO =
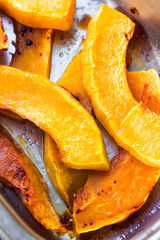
55,14
124,167
50,107
131,168
108,198
90,200
145,87
66,181
3,37
72,81
33,53
100,71
17,169
105,81
35,58
145,119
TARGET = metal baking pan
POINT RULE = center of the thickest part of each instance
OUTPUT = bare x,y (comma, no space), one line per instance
16,223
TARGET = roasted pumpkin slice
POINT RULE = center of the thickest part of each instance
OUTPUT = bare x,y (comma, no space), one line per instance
3,37
53,109
109,198
18,170
105,81
33,50
135,144
145,87
55,14
35,45
66,181
118,202
103,62
72,81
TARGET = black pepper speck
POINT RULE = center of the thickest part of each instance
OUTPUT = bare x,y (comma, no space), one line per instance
23,31
29,42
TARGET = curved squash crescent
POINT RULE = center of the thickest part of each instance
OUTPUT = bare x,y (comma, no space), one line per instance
105,81
55,111
109,198
55,14
66,181
18,169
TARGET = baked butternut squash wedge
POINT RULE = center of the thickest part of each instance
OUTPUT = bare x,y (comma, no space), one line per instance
72,81
55,111
109,198
33,50
55,14
139,141
122,198
66,181
33,54
105,81
3,37
18,170
145,87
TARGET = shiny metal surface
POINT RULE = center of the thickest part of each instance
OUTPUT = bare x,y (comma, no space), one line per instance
145,51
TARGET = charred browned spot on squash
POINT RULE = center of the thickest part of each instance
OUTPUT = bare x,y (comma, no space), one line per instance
78,211
77,98
134,11
67,221
20,173
127,36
